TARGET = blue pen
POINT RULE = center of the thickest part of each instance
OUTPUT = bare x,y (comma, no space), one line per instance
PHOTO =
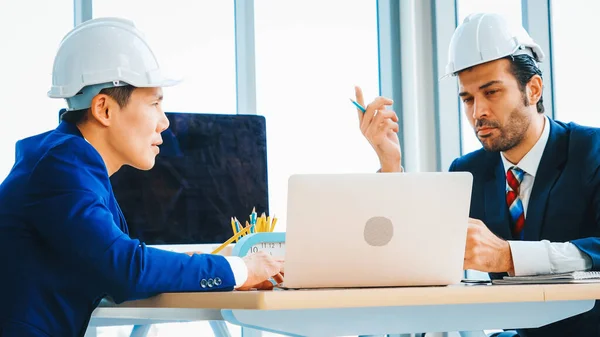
360,107
253,219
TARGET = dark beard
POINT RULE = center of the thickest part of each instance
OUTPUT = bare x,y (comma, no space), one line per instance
511,134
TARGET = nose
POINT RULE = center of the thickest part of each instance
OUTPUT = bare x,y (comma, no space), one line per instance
480,109
163,122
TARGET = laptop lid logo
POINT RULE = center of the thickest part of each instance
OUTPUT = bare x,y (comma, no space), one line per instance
378,231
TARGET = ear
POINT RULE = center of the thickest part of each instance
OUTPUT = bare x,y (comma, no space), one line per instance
535,89
102,109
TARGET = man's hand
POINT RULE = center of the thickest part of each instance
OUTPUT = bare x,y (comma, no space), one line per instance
261,267
485,251
380,127
192,253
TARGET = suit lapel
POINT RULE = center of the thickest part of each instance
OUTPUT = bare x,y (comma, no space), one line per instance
548,171
496,211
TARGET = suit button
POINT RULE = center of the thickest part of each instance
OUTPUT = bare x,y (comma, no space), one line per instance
218,281
210,283
203,283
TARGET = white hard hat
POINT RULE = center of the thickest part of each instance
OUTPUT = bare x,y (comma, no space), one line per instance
103,53
485,37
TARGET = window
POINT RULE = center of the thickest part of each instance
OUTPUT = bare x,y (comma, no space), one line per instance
511,10
193,39
31,34
309,56
573,27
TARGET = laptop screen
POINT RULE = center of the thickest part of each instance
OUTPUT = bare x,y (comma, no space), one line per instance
210,168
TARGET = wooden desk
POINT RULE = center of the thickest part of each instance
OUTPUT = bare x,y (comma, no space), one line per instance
369,311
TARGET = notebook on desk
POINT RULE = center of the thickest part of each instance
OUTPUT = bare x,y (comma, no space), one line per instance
572,277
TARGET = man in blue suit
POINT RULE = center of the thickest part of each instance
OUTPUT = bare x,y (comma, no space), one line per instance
535,205
64,242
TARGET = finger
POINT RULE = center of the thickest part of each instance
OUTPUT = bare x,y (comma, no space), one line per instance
378,104
473,265
366,118
359,95
387,114
278,278
380,126
264,285
382,101
383,115
390,125
468,260
281,269
360,100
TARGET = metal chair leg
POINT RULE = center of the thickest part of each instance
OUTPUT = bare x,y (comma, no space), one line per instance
219,328
140,330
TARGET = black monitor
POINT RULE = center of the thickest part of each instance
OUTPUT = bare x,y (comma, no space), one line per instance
211,167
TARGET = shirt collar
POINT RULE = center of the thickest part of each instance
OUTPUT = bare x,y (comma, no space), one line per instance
532,159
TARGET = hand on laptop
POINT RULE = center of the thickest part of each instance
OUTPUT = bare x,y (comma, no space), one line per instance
380,127
261,267
485,251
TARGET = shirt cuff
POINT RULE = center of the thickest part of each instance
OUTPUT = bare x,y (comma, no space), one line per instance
239,269
566,257
530,258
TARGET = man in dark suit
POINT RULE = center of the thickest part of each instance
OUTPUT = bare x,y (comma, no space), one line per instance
64,243
535,205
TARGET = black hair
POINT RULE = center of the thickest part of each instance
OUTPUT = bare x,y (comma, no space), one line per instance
119,94
523,68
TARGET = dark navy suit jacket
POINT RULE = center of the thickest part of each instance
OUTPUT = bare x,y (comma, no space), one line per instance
64,243
564,205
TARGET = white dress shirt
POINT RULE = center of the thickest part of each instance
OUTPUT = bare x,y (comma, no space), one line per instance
239,269
541,257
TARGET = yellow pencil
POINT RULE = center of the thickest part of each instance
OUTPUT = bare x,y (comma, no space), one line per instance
231,239
233,226
263,227
259,225
273,224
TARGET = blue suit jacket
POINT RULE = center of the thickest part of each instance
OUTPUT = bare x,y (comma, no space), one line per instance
64,243
564,204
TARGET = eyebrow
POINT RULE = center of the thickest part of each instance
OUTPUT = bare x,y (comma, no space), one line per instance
158,97
488,84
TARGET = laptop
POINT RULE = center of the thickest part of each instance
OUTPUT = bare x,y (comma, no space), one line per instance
376,230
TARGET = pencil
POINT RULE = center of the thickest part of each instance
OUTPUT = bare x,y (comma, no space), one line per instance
360,107
238,225
230,240
253,219
260,225
273,224
263,223
233,226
